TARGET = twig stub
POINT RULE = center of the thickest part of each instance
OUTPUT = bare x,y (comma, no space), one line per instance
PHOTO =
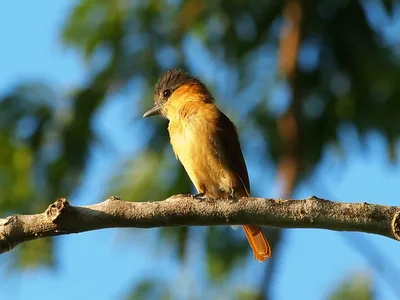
396,225
55,210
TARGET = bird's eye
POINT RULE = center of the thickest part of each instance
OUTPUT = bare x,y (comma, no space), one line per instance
167,93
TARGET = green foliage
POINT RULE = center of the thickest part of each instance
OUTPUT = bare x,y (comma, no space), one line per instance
223,240
246,294
356,287
27,123
34,254
150,289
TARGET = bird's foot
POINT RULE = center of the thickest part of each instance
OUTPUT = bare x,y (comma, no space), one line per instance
202,197
232,195
199,196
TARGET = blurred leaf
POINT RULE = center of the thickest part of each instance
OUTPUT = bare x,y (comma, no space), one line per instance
356,287
246,294
35,253
150,289
388,5
224,249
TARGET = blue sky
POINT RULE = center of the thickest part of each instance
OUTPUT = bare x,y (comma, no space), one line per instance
104,264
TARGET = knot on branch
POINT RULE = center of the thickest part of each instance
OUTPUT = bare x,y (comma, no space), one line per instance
396,225
55,210
5,244
6,230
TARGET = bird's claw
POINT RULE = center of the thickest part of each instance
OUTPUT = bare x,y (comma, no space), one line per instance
202,197
199,196
232,195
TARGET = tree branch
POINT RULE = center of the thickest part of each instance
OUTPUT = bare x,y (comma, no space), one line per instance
182,210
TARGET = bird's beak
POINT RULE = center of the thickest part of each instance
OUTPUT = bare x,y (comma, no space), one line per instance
154,111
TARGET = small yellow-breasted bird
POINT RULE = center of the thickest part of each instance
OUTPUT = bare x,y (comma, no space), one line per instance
206,143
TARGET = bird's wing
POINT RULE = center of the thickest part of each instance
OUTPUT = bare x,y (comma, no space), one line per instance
229,140
230,143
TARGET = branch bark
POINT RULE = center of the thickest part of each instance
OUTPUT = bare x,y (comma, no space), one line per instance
182,210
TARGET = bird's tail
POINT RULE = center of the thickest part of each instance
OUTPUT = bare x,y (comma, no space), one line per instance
258,242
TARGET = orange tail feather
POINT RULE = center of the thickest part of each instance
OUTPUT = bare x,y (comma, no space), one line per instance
258,242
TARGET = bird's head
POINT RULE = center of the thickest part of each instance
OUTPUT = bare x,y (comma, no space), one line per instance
175,88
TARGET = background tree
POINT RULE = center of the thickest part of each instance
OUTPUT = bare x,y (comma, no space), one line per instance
299,78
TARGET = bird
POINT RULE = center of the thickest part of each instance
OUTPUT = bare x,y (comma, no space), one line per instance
206,142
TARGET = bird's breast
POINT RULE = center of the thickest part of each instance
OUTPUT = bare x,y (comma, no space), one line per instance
190,140
194,144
